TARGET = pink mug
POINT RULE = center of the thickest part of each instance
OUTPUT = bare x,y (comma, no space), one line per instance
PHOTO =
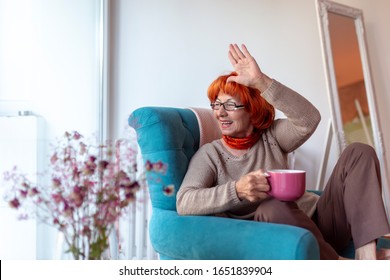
286,184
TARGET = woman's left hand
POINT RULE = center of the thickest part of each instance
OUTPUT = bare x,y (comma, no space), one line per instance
247,69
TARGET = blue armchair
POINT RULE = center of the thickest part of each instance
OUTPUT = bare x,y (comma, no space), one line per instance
173,135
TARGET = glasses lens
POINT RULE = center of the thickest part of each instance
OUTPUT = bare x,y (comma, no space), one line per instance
230,106
215,106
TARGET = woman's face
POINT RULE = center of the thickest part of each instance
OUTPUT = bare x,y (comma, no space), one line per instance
234,123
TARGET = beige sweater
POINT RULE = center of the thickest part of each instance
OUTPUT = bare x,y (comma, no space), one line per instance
208,187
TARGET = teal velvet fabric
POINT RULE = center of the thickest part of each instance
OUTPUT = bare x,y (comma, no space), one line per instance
171,135
208,237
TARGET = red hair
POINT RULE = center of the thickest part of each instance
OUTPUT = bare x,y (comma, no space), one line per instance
262,113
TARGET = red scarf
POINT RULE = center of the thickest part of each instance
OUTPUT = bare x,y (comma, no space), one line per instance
242,143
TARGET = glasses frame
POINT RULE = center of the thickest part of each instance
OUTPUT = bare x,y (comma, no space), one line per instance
222,104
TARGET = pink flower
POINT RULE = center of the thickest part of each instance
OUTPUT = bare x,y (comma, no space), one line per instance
76,135
56,182
83,148
75,173
132,187
77,196
33,192
86,231
88,184
158,166
148,166
89,166
23,193
102,165
54,158
57,198
112,216
68,210
14,203
169,190
125,182
89,190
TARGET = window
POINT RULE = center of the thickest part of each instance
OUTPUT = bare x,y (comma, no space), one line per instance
49,68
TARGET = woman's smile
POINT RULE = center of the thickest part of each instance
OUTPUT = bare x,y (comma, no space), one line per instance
225,124
236,123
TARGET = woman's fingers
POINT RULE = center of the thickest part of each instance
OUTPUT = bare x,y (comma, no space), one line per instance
233,61
245,51
238,51
253,186
256,194
233,56
235,53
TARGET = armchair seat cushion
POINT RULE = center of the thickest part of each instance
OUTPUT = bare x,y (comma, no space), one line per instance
209,237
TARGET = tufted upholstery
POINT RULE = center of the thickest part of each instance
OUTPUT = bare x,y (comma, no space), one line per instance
172,136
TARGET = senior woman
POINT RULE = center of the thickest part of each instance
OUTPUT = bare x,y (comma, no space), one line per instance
226,177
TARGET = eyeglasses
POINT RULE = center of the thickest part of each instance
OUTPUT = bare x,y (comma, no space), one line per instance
228,106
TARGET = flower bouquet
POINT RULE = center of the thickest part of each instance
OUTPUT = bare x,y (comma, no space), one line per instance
90,187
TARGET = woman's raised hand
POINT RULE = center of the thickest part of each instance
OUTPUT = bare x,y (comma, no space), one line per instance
247,69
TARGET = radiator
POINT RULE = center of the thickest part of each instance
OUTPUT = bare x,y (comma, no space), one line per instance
132,237
131,240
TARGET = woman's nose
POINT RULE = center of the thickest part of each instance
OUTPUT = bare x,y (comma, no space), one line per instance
222,111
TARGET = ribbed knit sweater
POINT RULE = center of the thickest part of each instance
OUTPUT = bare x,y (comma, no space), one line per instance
208,187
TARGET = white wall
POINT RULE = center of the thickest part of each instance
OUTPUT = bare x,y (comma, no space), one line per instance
166,53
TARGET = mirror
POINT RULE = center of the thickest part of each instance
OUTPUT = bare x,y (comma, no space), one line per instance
352,95
348,76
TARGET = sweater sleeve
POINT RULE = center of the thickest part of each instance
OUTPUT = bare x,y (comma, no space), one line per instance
198,194
302,117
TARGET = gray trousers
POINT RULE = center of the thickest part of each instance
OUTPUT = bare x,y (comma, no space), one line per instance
351,206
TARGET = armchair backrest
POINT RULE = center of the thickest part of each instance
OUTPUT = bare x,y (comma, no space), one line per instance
170,135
